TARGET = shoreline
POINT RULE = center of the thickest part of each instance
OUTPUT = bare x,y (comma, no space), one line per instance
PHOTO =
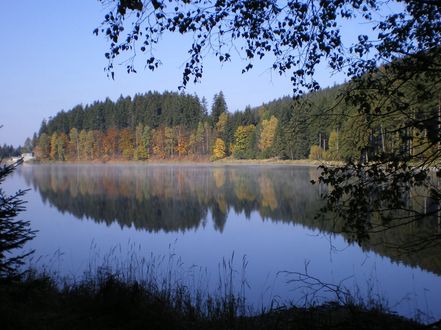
221,162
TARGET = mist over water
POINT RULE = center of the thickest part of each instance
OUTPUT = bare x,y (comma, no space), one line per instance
201,215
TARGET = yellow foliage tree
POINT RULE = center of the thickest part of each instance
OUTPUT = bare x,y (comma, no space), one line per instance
267,133
333,152
222,122
181,148
73,145
316,153
110,142
53,149
61,146
219,149
126,143
83,144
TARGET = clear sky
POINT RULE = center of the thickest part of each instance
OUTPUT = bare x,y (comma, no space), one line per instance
50,60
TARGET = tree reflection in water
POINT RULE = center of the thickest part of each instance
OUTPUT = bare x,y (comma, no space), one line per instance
184,197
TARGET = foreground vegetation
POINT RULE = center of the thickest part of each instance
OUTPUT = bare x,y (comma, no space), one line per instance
109,302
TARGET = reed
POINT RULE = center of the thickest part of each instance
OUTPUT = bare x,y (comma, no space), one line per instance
157,292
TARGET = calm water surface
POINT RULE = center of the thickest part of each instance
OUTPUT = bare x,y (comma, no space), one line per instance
196,216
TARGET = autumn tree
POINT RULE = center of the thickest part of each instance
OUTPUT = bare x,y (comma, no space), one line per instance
61,145
219,150
333,149
316,152
158,143
74,144
182,141
110,142
98,148
221,124
53,146
43,147
192,144
267,134
83,145
126,145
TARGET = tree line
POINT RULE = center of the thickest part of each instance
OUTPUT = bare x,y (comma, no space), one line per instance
7,151
177,125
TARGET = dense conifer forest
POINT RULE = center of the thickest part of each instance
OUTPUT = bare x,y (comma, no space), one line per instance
170,125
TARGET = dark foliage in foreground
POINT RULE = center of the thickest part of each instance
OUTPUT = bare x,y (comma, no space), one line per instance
109,303
14,233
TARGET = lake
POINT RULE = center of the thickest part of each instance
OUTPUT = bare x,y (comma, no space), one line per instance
190,220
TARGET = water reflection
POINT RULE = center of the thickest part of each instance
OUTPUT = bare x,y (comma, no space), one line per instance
174,198
181,198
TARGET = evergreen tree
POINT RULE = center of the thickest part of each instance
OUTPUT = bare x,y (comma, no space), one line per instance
13,233
244,142
27,146
296,135
219,106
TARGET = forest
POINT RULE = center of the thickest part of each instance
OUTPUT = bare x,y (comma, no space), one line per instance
170,125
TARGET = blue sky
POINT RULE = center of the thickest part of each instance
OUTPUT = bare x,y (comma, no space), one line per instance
50,60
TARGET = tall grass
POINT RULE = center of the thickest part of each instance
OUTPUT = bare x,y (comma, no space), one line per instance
123,289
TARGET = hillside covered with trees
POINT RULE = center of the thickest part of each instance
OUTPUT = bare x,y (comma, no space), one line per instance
176,125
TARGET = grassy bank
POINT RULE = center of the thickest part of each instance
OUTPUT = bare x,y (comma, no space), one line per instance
276,161
203,161
108,302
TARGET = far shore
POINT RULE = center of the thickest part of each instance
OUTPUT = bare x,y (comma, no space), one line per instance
202,162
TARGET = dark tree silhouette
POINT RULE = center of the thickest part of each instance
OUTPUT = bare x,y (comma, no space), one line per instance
13,233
